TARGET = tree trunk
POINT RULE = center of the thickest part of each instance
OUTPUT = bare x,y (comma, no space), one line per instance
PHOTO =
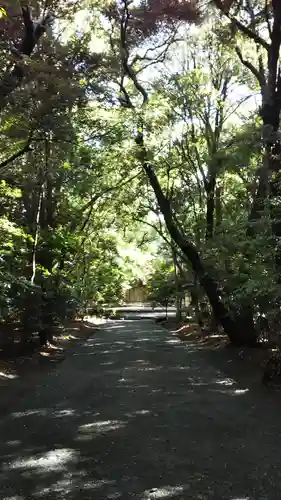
233,325
218,207
45,253
33,31
31,196
213,204
270,178
259,198
195,304
210,192
177,286
274,165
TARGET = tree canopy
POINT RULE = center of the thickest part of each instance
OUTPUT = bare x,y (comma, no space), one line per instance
133,130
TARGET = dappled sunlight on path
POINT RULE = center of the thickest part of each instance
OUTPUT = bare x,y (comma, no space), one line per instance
134,413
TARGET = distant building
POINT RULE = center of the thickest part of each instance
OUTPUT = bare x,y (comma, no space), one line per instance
137,292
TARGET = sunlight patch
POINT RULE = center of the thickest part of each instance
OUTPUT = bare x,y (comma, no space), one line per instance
138,412
101,426
16,442
94,485
112,351
28,413
241,391
226,381
64,413
164,492
10,376
115,327
64,485
13,498
52,460
179,367
150,369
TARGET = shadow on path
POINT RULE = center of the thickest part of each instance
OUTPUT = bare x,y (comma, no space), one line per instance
134,413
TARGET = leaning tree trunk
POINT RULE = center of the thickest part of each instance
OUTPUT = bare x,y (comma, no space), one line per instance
234,325
240,327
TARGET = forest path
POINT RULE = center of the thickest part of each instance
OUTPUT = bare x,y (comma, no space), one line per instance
135,413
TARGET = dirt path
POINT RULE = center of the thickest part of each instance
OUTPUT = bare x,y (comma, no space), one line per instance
135,413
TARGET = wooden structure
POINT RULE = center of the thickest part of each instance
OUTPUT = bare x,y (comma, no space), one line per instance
136,293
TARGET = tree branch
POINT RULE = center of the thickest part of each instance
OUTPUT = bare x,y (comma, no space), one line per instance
251,67
274,51
32,34
267,18
249,33
108,190
127,68
26,148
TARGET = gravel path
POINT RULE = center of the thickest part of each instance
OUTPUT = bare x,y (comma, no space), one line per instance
133,413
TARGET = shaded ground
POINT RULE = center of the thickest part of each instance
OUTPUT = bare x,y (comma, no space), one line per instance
245,364
17,372
136,413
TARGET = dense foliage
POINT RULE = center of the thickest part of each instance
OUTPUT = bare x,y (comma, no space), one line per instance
125,125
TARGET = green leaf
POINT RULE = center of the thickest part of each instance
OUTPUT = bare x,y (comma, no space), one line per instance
3,12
